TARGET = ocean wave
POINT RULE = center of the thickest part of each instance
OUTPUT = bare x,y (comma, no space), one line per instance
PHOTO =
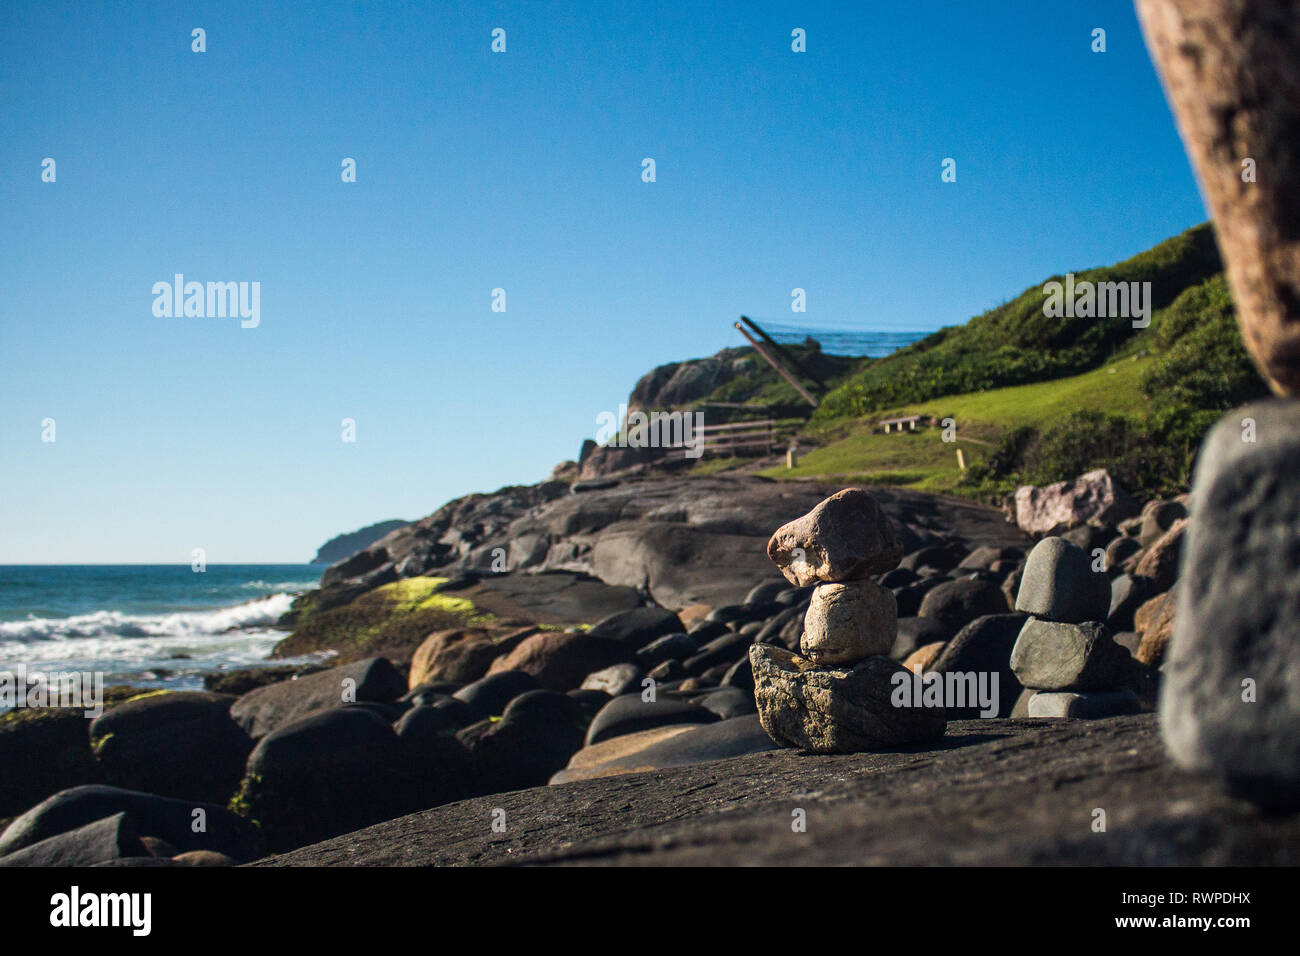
258,613
291,586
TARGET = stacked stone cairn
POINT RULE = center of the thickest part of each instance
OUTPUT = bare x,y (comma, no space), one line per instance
837,695
1065,656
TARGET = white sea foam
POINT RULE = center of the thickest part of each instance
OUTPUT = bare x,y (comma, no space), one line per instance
262,612
165,649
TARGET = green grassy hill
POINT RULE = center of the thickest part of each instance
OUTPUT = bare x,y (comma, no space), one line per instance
1037,399
1015,343
858,451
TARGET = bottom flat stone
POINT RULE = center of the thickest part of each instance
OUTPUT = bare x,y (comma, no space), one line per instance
837,709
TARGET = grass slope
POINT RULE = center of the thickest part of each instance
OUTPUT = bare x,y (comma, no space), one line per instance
860,452
1016,343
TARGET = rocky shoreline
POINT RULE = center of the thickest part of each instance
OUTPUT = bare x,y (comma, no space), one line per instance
897,584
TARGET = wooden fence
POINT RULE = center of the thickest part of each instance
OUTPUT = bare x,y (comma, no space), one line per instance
716,439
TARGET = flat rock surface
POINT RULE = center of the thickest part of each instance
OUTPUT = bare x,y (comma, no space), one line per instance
1000,792
685,540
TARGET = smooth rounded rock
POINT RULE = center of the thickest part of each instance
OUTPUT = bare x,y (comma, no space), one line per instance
1053,655
1059,584
1089,706
631,713
954,604
848,621
845,537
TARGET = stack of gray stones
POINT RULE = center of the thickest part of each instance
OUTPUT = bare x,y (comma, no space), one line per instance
836,696
1065,656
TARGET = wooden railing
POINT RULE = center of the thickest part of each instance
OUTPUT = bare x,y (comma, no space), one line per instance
726,438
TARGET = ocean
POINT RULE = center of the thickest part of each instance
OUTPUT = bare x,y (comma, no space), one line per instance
146,625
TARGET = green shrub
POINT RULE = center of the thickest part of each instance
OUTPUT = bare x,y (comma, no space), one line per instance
1203,365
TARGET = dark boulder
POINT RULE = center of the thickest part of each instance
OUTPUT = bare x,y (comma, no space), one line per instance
1127,594
723,650
42,750
984,647
489,696
938,557
559,660
637,627
534,738
630,713
728,702
338,771
954,604
669,647
181,744
266,709
111,838
171,820
909,598
916,632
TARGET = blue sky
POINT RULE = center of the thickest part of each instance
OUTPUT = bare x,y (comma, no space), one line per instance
477,170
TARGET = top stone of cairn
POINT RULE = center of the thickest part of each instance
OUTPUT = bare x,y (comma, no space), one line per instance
845,538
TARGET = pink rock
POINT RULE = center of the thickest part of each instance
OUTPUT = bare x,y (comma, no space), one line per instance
1093,498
